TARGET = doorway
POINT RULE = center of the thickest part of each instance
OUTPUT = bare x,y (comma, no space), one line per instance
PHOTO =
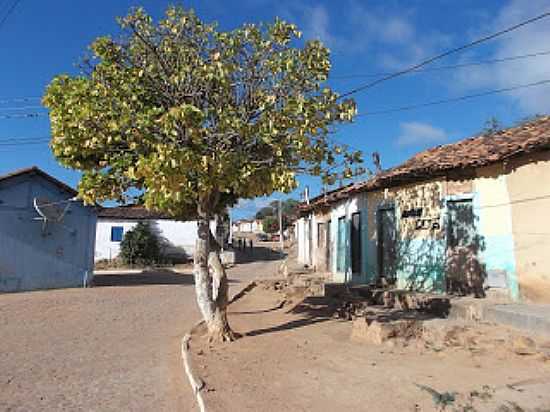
460,228
328,250
356,243
464,272
341,252
387,243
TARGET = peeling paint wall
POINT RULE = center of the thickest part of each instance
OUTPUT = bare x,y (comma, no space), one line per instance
420,243
509,204
528,183
492,206
320,254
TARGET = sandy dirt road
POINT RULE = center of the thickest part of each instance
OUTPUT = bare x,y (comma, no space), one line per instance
109,348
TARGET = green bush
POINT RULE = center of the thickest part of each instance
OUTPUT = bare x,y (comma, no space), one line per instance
141,245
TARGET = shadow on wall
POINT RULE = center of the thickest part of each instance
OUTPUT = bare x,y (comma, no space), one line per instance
169,253
420,264
466,274
440,259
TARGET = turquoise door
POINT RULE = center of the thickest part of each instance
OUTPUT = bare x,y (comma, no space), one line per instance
342,237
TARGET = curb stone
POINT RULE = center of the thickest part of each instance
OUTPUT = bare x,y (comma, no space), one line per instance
197,384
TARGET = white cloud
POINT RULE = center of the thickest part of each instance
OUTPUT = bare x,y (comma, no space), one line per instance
420,134
357,27
317,25
529,39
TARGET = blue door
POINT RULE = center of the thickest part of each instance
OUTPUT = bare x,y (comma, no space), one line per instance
342,237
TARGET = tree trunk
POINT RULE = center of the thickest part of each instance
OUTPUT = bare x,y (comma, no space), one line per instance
212,301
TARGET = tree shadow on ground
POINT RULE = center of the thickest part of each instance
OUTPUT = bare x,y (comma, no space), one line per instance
315,310
255,312
147,277
312,309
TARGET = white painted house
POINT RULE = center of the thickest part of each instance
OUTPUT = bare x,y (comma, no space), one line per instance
38,254
248,226
178,237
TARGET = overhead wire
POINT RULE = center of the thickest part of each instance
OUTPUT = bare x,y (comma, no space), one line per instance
455,99
24,143
19,99
16,141
448,67
22,108
22,115
445,54
9,13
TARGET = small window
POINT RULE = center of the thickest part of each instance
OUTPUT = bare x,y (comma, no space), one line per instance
116,233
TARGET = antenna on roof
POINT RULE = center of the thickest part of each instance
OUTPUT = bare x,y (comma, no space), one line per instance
377,162
52,212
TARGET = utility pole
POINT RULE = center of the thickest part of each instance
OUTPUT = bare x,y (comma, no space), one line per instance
230,238
281,239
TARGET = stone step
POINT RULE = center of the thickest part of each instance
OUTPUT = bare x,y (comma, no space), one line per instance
530,318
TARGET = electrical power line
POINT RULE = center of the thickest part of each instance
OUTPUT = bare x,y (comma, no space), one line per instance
22,116
22,108
19,99
449,67
445,54
9,12
16,141
455,99
24,143
21,139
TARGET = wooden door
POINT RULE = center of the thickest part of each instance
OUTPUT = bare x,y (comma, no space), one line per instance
386,243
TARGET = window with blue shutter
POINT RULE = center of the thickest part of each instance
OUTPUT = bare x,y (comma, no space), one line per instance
116,233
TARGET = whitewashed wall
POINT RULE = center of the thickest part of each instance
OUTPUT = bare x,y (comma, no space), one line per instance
181,236
307,245
257,226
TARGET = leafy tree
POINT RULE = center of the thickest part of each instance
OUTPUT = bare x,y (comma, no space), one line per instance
270,224
195,118
264,212
290,209
140,245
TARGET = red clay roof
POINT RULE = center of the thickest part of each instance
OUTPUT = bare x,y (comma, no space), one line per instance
478,151
130,212
36,171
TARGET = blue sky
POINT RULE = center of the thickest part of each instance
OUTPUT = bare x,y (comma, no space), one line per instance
42,39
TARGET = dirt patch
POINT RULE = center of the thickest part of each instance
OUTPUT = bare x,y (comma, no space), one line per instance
297,355
112,348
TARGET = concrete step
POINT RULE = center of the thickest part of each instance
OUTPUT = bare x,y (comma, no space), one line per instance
530,318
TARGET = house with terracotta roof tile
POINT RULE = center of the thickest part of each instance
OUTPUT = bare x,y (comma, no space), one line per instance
462,217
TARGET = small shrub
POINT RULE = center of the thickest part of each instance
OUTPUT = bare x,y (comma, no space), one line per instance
140,246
